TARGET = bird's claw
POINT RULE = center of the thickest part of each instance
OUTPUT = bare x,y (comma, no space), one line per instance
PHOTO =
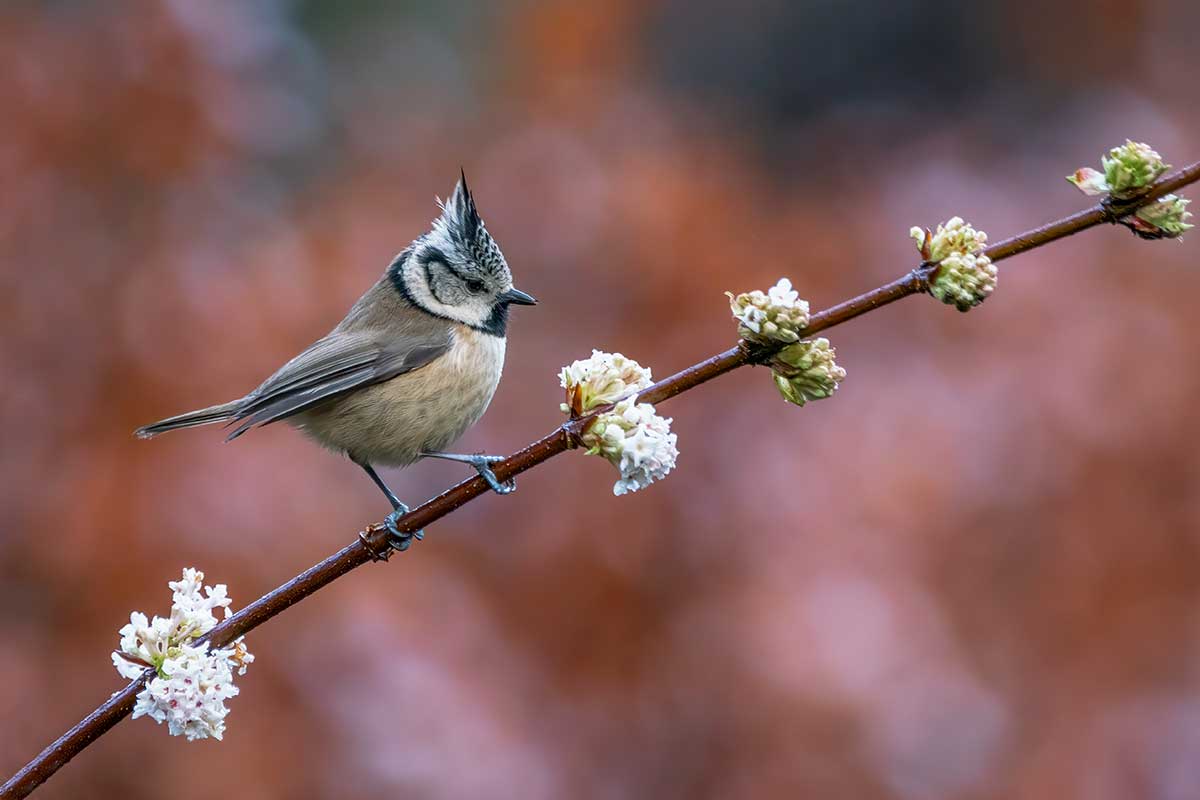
482,465
401,540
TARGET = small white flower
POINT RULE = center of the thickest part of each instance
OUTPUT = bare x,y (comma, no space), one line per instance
635,440
964,276
807,371
191,684
241,656
640,449
776,316
602,379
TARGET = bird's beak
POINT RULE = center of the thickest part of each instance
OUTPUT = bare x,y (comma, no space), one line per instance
518,297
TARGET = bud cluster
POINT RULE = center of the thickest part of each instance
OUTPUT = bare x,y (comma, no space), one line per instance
779,315
1165,218
964,276
1129,171
803,370
806,371
600,380
1132,167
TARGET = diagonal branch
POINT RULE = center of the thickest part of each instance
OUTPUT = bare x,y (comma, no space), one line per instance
372,544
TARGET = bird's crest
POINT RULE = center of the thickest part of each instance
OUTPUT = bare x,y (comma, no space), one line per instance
461,225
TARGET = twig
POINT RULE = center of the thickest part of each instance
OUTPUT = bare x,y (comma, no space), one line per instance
372,544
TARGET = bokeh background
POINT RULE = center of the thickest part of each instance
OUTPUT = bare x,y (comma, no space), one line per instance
972,574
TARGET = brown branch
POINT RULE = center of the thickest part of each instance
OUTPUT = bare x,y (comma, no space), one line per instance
372,544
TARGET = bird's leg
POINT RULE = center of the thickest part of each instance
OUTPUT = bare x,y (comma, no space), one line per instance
482,465
400,540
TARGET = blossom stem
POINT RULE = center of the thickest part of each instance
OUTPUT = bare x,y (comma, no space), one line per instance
372,544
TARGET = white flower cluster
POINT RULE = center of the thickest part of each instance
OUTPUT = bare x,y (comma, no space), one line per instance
192,682
191,692
807,371
602,379
964,276
1128,170
777,316
636,441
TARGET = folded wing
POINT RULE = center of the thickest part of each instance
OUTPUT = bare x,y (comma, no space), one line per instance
335,364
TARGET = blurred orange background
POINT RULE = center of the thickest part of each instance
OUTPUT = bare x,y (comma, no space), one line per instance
972,574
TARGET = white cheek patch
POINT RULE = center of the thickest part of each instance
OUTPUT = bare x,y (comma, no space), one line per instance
474,312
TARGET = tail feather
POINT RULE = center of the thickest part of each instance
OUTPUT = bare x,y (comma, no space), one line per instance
205,416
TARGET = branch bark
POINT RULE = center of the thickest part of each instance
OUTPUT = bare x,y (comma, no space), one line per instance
372,544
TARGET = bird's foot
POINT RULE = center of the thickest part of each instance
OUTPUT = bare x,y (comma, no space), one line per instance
482,465
401,540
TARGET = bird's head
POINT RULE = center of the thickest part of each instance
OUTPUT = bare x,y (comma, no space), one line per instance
457,271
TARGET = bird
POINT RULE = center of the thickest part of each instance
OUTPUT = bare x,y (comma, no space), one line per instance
410,368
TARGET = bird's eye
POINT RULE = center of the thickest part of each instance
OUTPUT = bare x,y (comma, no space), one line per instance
474,286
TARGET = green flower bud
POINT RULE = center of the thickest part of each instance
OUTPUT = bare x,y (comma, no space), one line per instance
806,371
1164,218
1130,168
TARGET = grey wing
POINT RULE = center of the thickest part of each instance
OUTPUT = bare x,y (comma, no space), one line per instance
335,364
